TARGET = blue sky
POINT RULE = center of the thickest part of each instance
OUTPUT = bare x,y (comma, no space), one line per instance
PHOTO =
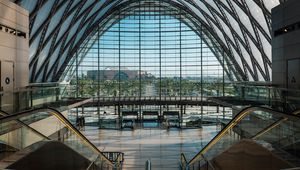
149,49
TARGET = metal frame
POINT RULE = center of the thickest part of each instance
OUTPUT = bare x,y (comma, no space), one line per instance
208,13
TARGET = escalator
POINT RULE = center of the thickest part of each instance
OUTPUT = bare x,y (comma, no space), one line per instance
27,131
267,132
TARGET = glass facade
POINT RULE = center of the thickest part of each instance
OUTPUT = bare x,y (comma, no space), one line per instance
240,29
147,54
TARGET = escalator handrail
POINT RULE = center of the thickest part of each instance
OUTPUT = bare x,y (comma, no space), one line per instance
61,118
183,162
274,125
3,113
296,112
244,112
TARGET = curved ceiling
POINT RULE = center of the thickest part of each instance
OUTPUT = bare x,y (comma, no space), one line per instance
240,27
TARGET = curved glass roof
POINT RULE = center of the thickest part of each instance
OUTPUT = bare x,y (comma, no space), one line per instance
240,28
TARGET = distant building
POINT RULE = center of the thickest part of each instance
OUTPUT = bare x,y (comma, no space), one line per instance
115,73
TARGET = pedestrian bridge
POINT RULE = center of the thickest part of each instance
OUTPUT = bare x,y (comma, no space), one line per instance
151,100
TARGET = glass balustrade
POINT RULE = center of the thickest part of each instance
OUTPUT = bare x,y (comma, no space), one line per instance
262,125
30,129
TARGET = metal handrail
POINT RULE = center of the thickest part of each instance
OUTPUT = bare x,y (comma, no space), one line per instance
62,119
29,89
118,160
92,163
266,86
208,162
295,168
273,125
3,113
183,162
246,111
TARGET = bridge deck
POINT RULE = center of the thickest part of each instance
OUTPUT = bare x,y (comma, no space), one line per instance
156,100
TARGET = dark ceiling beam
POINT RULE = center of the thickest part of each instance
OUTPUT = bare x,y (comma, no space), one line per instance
46,71
116,9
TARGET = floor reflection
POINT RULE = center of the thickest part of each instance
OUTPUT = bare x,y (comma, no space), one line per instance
161,146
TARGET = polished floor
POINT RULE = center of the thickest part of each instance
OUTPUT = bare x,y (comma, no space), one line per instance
162,147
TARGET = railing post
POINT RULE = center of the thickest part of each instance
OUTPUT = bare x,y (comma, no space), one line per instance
148,165
57,94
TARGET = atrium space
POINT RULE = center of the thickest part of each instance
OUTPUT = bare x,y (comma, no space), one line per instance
149,84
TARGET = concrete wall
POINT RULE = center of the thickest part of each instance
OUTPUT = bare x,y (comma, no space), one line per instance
286,46
14,48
